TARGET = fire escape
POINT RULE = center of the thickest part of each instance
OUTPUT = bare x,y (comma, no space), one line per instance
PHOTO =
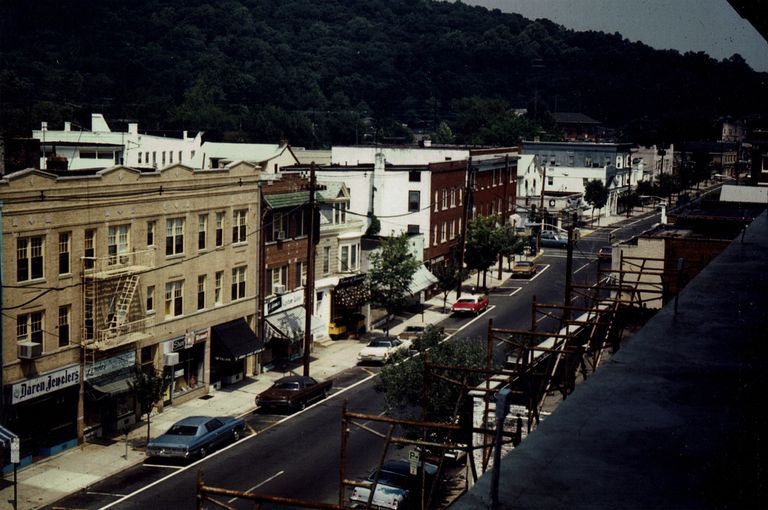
112,316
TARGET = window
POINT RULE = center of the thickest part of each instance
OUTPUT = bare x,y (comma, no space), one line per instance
139,158
174,236
414,199
219,229
348,257
117,244
437,201
451,229
174,305
434,235
201,280
445,199
443,233
301,274
218,284
170,156
460,196
180,156
571,160
202,231
413,229
162,158
64,253
278,232
151,233
154,158
326,259
29,327
453,197
239,226
151,299
414,176
585,182
340,212
275,277
29,258
238,283
64,312
588,162
550,180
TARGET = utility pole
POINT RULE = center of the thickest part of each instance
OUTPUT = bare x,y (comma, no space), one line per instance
309,287
261,331
504,207
569,270
465,217
541,209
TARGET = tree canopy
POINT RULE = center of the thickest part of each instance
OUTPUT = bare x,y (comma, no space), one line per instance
340,72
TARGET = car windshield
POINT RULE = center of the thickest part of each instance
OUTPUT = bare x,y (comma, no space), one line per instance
287,385
182,430
391,479
523,264
466,300
380,343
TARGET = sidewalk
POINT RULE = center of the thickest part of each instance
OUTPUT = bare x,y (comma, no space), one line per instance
51,479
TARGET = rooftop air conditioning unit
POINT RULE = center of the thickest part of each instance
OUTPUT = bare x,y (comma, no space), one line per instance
279,289
170,359
280,235
30,350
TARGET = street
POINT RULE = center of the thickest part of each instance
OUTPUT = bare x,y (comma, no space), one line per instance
298,455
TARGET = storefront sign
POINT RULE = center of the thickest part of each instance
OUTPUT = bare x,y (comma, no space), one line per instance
288,300
275,304
200,335
178,344
109,365
44,384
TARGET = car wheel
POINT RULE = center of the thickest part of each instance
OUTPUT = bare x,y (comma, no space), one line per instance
203,452
236,435
325,394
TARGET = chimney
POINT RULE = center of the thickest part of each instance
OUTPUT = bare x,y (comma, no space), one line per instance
133,128
44,126
67,126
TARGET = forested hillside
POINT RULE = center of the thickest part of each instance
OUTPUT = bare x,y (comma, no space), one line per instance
328,72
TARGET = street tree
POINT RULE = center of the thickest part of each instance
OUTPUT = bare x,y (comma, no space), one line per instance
411,392
148,387
449,276
484,238
510,244
390,274
596,195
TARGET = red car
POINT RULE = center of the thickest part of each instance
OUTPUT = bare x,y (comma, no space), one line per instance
474,304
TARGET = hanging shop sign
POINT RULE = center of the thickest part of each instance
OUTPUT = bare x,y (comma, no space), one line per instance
285,301
44,384
107,366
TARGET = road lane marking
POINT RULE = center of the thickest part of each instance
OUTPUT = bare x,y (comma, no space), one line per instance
582,267
539,273
110,494
258,485
164,466
515,291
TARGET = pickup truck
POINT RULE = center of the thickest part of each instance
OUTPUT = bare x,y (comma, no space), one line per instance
293,392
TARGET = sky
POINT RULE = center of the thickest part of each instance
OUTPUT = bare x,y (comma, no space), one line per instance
711,26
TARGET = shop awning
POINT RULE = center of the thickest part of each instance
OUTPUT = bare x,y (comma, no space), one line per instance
290,323
113,383
421,280
233,341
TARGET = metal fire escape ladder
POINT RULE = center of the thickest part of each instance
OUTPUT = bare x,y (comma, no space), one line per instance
126,288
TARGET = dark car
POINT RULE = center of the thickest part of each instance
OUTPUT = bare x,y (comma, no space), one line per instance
293,392
605,253
195,436
411,332
552,239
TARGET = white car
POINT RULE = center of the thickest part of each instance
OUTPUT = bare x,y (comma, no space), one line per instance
381,349
396,488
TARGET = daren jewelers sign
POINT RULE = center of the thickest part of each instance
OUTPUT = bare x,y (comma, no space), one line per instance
44,384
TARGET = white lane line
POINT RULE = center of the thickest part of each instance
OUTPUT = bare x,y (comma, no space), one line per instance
163,466
539,272
582,267
515,291
258,485
110,494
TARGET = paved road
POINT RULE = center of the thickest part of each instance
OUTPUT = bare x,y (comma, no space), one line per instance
298,455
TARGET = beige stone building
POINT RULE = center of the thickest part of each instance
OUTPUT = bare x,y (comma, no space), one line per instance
109,269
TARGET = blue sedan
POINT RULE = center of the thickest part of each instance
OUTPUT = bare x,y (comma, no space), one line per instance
195,436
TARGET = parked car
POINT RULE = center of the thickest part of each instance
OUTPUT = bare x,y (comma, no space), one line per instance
381,349
411,332
293,392
396,488
551,239
474,304
605,253
524,268
196,436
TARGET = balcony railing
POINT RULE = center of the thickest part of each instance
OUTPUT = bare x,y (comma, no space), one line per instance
119,263
109,338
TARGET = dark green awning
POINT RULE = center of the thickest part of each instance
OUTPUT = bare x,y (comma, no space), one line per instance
283,200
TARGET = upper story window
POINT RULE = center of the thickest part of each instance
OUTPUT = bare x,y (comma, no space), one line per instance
414,176
348,257
174,298
29,327
64,320
89,248
278,227
326,259
202,281
445,199
239,226
238,283
453,197
414,201
174,236
65,248
29,258
117,244
202,231
437,201
340,212
218,284
151,225
219,228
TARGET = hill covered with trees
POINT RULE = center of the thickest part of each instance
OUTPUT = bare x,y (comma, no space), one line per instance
342,71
